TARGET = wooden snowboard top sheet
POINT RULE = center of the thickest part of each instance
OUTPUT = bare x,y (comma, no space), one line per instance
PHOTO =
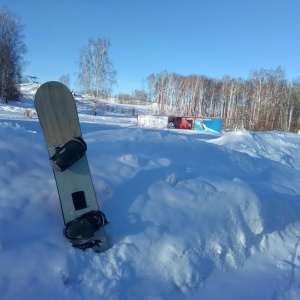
61,124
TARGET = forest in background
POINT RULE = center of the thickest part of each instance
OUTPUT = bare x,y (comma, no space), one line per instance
264,101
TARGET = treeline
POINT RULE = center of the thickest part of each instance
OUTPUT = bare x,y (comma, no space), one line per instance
137,97
12,50
264,101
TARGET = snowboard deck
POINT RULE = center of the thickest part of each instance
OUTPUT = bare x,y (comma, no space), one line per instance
57,113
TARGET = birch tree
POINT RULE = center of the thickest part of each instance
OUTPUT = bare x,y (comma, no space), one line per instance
97,74
263,100
290,107
65,79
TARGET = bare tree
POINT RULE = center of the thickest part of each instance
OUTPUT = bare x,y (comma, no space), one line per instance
65,79
12,50
288,118
151,86
141,96
97,75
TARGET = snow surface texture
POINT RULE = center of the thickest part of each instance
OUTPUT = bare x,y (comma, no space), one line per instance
193,215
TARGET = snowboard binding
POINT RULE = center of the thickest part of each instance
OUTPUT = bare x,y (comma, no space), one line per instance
96,245
81,230
66,155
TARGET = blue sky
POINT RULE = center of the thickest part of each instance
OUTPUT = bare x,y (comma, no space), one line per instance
204,37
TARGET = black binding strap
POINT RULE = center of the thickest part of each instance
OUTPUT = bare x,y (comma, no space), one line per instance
81,230
69,153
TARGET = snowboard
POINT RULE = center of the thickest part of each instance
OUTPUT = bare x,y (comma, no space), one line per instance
57,113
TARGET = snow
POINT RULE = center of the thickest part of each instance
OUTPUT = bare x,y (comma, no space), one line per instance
193,215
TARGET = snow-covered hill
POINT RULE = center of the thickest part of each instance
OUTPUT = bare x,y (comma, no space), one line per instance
193,215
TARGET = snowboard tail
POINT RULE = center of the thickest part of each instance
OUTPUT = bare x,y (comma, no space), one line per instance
57,112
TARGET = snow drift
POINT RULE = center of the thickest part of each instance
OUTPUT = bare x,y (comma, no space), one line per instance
193,215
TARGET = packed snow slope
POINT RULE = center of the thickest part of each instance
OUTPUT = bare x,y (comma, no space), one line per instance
193,215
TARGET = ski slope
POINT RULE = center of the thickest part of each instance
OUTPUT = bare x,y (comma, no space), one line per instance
193,215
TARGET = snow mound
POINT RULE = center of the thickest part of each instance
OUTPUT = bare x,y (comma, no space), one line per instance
277,146
193,216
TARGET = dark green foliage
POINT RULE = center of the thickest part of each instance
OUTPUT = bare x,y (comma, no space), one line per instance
12,50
